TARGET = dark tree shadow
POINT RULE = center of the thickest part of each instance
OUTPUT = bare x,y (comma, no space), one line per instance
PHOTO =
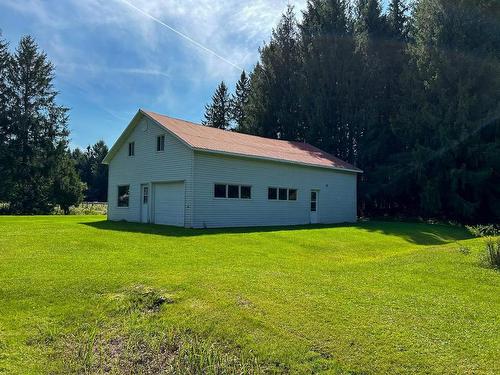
417,233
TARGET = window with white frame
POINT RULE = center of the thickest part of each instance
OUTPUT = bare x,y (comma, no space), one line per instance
160,143
232,191
123,195
282,194
131,149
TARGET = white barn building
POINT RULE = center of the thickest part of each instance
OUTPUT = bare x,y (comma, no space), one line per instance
168,171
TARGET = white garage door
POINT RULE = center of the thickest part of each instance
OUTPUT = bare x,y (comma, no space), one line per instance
169,203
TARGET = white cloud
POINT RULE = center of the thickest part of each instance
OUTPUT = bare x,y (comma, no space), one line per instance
230,28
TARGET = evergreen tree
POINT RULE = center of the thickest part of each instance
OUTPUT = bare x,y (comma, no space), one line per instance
330,72
239,100
36,130
218,113
4,126
449,117
273,105
67,186
397,20
382,44
92,172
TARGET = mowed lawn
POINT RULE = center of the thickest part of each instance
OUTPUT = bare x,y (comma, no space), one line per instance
375,297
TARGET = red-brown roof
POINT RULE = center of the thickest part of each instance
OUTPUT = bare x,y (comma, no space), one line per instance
217,140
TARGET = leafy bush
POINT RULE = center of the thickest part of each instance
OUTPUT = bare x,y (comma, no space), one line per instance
85,208
4,208
484,230
493,252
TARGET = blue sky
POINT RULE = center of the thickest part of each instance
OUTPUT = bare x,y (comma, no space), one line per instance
111,59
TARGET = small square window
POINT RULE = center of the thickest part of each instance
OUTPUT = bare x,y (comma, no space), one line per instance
233,191
292,194
246,192
283,194
131,149
123,195
160,143
272,193
219,191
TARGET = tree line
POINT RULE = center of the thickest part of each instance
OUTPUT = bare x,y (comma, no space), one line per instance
37,170
410,95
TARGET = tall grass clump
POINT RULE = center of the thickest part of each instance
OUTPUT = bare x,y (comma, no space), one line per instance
493,252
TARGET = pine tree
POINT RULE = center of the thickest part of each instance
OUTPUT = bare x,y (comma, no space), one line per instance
37,129
397,20
239,101
454,136
273,104
92,172
67,188
384,51
218,112
329,77
4,126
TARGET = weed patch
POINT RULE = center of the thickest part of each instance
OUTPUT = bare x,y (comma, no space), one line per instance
143,351
140,298
463,249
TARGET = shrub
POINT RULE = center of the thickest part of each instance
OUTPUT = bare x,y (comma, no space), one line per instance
484,230
493,252
85,208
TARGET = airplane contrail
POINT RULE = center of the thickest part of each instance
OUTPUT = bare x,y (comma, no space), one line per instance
182,35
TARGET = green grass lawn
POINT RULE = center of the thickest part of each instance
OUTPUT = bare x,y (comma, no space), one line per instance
79,294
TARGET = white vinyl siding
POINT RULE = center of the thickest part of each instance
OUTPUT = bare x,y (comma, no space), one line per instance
148,167
337,191
193,175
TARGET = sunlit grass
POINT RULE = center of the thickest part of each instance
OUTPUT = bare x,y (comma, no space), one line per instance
374,297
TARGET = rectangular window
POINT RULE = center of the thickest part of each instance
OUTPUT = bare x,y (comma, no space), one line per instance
220,191
145,195
131,149
272,193
283,194
314,200
123,195
233,191
246,192
160,143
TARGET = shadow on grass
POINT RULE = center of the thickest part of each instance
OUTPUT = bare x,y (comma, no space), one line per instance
417,233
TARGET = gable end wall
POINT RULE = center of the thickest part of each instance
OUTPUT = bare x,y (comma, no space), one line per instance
148,166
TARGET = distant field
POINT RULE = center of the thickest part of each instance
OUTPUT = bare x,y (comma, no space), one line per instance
79,294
